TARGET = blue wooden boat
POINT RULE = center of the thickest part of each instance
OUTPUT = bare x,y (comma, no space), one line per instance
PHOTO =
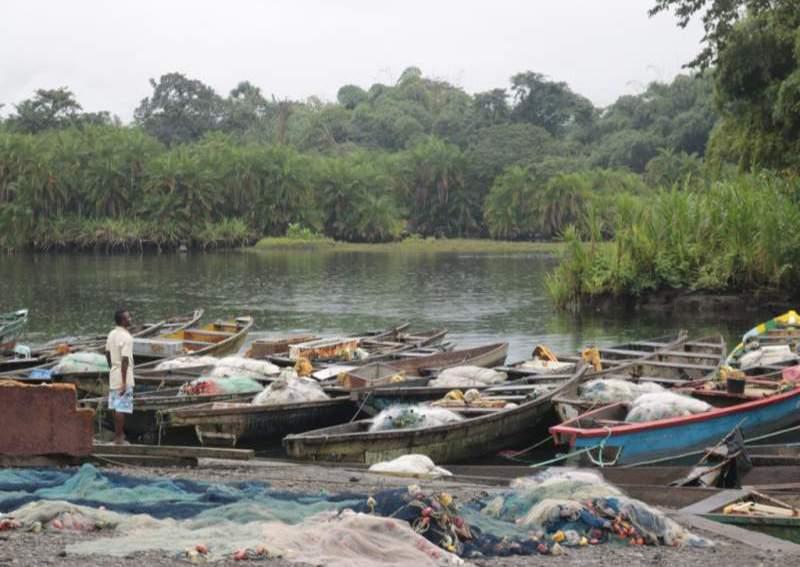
601,436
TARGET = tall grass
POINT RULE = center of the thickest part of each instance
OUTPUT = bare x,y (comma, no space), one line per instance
739,235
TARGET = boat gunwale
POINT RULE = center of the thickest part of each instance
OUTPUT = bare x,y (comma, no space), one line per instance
587,433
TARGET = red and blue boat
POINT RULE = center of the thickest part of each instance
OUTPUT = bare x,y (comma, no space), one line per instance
603,437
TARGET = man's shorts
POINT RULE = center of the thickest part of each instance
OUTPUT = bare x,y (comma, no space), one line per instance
122,403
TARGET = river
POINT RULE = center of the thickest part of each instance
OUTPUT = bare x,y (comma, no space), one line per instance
479,297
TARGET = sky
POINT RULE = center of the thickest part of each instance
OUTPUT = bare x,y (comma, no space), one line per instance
106,51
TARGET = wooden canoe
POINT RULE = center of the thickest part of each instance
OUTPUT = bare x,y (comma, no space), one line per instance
380,346
781,330
526,381
259,426
214,339
680,364
44,357
453,442
609,356
11,326
754,413
146,422
486,356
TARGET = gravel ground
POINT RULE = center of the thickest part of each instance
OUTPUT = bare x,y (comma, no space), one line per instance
48,548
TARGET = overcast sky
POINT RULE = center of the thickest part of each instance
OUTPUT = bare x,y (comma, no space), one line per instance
105,51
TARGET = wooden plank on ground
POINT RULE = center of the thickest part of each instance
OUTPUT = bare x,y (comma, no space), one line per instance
174,451
747,537
715,501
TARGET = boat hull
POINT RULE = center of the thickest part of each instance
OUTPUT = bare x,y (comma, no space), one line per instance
671,438
259,426
454,442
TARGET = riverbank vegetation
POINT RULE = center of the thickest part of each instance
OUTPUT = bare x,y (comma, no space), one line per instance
734,231
418,157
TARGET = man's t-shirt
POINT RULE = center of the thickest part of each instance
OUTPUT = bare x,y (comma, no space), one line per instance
120,345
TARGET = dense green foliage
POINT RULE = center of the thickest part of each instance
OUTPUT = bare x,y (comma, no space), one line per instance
737,233
420,156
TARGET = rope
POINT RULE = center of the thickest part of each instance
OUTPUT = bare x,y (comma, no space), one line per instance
361,407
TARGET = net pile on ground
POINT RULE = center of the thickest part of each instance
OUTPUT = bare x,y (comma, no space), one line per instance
412,417
663,405
291,390
410,465
612,390
568,508
80,362
540,514
467,377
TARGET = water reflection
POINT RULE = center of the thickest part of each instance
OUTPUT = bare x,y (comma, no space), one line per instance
479,297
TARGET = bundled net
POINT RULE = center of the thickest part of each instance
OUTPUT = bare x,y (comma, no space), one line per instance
291,390
410,465
180,362
663,405
242,366
611,390
412,417
467,377
81,362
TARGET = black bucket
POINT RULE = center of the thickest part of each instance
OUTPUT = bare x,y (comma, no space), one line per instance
735,385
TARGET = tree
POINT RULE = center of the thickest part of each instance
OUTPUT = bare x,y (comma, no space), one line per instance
351,96
719,20
48,109
548,104
180,110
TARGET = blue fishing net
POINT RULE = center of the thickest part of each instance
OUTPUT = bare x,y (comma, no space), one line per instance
160,498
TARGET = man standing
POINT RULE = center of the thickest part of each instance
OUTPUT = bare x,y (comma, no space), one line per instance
119,354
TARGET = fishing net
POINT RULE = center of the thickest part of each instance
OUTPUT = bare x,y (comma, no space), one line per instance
467,377
547,366
410,465
81,362
663,405
219,386
471,398
767,355
241,366
615,390
536,515
291,391
186,362
573,508
412,417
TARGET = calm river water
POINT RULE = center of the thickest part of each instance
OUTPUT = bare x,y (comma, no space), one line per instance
479,297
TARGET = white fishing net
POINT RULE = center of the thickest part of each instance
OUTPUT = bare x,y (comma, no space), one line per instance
242,366
467,377
80,362
663,405
345,539
289,391
410,465
186,362
615,390
411,417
